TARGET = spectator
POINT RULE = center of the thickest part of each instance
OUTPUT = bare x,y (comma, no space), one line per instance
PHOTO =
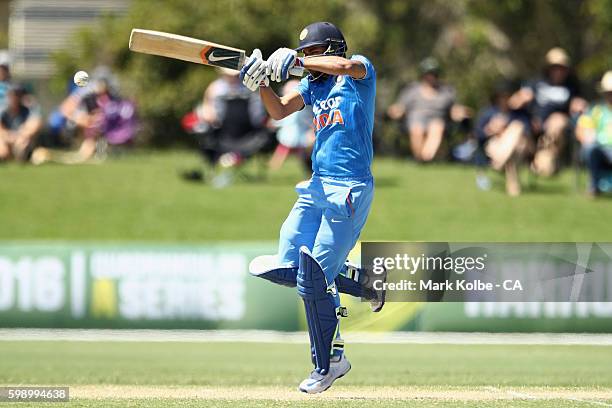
594,131
551,100
67,121
426,107
5,82
295,134
102,116
505,135
230,124
19,126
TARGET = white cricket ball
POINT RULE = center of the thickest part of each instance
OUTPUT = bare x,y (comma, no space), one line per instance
81,78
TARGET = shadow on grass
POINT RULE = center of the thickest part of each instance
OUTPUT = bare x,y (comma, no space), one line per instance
535,186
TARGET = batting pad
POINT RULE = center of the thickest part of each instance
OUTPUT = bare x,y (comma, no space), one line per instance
320,309
267,267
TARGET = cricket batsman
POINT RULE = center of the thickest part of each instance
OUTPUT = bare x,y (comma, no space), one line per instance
332,207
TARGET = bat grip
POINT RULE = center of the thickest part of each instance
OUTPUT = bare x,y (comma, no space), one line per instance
295,71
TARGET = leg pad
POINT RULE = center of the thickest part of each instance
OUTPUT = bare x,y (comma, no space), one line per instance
320,309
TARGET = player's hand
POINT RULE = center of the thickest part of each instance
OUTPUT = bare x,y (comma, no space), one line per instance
253,73
279,64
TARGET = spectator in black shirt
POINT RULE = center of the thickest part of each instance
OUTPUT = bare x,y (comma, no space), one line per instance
19,126
551,101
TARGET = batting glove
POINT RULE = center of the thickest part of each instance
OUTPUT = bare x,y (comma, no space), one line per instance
279,64
253,73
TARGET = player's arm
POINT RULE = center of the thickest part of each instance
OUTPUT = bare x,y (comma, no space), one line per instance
30,127
279,107
585,129
209,113
521,98
334,65
284,59
5,137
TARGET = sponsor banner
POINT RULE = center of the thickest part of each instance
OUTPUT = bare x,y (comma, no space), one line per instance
140,286
578,317
208,287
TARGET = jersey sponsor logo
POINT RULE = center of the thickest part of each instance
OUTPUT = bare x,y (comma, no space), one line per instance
328,119
326,104
323,118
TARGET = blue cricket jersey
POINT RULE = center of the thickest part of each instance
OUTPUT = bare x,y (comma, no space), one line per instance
343,110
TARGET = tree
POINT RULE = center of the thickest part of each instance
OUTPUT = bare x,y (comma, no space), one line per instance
477,41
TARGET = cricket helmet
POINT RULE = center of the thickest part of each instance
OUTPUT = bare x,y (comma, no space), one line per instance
323,33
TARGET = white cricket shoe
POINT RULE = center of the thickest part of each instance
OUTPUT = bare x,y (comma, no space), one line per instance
317,383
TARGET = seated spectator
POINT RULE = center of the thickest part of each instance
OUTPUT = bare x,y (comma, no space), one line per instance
5,83
426,107
551,100
295,134
103,118
19,126
230,124
65,123
594,131
505,135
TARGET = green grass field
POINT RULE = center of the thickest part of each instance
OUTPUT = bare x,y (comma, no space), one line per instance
140,197
266,374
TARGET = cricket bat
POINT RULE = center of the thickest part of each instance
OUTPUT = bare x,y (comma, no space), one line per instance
191,49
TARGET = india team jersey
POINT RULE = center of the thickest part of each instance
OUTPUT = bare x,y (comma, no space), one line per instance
343,110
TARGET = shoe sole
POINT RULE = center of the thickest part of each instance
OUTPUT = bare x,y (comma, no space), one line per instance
329,386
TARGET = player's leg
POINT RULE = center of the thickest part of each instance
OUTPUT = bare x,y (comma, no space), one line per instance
279,156
300,229
338,232
501,148
361,197
352,279
416,133
316,277
598,160
433,140
551,144
513,182
322,308
5,149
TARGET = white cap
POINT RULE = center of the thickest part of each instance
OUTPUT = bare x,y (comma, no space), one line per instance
606,82
557,56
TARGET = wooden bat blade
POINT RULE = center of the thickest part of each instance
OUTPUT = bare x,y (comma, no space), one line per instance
186,49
